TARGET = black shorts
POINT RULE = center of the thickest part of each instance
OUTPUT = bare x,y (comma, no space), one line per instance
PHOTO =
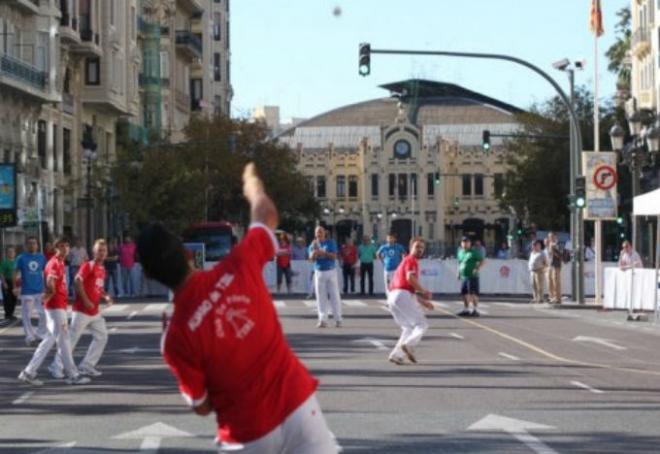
284,272
470,286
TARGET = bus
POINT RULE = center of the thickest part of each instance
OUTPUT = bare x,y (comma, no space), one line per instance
218,238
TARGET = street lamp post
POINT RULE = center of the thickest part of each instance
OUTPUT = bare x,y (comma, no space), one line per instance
89,153
365,51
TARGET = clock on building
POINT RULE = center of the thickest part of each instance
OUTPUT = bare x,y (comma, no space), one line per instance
402,149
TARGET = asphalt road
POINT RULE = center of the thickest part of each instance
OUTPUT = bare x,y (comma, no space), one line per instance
519,379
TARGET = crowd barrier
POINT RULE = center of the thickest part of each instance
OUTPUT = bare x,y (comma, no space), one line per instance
617,286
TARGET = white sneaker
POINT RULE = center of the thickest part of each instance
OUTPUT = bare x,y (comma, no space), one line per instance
397,360
89,370
78,380
29,379
338,324
55,373
29,341
410,353
322,324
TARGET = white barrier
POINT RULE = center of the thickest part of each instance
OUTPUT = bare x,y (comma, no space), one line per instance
440,276
617,289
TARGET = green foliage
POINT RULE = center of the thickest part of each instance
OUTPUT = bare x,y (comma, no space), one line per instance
617,53
200,179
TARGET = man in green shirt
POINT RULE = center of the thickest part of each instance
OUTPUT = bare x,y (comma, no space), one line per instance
469,262
367,254
7,267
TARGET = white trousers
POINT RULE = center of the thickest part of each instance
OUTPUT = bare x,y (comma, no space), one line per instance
303,432
408,314
28,304
96,325
58,333
326,286
387,278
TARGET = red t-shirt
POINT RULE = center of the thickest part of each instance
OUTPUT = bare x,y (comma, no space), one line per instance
225,341
348,254
93,277
284,256
55,268
409,264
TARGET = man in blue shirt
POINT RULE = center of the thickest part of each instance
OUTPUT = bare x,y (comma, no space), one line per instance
323,252
391,254
30,269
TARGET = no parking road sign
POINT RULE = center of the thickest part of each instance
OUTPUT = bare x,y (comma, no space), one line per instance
601,179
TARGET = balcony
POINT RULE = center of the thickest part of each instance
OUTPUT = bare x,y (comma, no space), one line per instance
640,43
188,44
69,29
23,74
153,81
194,7
89,44
68,103
28,6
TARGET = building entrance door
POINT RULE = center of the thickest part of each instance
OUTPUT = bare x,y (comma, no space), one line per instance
402,228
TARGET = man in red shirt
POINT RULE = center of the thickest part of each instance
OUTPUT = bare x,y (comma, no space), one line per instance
224,343
348,255
55,304
283,263
405,299
90,289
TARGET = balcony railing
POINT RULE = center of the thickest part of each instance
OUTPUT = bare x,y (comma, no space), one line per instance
23,72
153,80
68,21
190,41
641,37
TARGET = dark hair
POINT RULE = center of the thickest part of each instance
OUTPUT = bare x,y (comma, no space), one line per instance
162,255
540,243
61,240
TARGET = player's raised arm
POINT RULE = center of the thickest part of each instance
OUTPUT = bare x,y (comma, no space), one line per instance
262,208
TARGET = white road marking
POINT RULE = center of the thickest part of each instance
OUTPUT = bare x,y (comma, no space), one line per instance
155,307
311,304
517,428
507,304
386,309
485,305
22,398
57,449
378,343
456,335
279,304
598,340
152,435
587,387
132,314
115,308
354,303
507,356
113,330
438,304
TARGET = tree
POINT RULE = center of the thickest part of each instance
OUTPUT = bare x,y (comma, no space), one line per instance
537,182
618,53
200,179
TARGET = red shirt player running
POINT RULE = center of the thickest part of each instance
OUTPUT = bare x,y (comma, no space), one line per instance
405,308
225,345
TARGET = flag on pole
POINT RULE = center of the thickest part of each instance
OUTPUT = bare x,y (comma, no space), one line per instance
596,23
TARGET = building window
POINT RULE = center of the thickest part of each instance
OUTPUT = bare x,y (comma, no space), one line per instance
93,71
352,187
467,185
431,231
374,185
430,184
217,70
498,185
196,94
413,184
478,184
41,143
392,185
341,186
55,149
218,104
133,23
217,29
164,65
66,151
403,185
112,13
228,72
320,187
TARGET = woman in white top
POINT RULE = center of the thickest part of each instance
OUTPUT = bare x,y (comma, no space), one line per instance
628,258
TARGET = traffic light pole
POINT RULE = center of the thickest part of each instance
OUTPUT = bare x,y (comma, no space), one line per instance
576,139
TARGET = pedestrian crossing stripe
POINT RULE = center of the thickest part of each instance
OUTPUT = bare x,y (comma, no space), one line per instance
115,308
155,307
279,303
310,303
354,303
438,304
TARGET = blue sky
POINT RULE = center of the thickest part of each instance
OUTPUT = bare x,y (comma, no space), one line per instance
298,55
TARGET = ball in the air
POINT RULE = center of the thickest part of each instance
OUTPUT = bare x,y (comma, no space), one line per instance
337,11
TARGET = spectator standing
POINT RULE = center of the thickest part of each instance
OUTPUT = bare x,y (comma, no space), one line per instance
7,268
349,259
478,245
283,262
504,253
537,265
469,262
629,258
589,254
126,265
49,250
555,257
77,257
299,251
391,253
112,268
367,253
323,253
29,284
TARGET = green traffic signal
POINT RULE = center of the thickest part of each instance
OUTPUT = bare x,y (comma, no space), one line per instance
437,178
365,59
485,140
580,192
619,220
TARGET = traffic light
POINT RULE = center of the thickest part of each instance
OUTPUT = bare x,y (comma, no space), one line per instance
580,192
619,220
485,140
436,178
365,59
